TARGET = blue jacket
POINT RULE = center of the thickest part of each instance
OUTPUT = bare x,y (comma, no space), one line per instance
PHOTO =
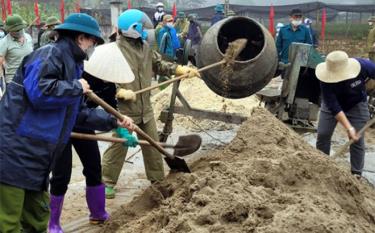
38,111
171,44
287,36
217,17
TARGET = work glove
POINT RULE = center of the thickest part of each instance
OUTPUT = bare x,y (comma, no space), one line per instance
192,71
125,94
131,140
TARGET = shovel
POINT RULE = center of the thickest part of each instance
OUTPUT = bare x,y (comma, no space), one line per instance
341,151
231,53
185,145
175,163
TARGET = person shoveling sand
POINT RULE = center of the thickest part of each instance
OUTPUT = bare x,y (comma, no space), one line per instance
266,180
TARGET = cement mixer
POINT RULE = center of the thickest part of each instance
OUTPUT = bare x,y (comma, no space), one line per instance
255,66
252,70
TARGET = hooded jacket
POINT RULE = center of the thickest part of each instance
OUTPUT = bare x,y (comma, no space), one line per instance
38,112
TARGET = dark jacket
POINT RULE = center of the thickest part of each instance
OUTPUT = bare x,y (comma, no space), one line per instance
194,33
344,95
217,17
38,112
287,36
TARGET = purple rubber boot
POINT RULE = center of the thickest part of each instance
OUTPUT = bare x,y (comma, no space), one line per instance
56,204
95,197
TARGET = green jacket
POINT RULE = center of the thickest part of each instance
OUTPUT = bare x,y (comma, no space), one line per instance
46,37
143,61
371,39
182,27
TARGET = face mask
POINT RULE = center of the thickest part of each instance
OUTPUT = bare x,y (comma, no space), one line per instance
170,25
89,51
149,36
2,34
17,35
296,22
370,23
160,9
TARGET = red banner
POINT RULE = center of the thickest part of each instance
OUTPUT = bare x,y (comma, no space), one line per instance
271,26
36,12
324,19
9,5
78,6
174,10
62,11
3,10
129,4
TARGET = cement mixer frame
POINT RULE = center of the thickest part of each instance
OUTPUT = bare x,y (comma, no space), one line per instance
167,115
291,107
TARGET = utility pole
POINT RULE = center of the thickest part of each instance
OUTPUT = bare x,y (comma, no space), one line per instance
226,7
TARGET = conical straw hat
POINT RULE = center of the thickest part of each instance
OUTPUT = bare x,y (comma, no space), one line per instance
109,64
337,67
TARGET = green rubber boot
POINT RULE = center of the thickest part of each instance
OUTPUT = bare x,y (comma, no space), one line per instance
109,192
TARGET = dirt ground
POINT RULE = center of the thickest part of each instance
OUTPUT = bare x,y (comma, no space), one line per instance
133,183
266,180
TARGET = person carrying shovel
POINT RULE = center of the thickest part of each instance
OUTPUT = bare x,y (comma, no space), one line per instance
344,100
38,111
132,26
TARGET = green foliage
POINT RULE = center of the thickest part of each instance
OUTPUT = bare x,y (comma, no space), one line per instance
26,9
345,31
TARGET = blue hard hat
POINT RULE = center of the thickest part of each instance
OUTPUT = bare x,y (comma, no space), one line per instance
82,22
133,22
219,8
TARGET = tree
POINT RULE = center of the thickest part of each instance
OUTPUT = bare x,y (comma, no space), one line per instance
25,8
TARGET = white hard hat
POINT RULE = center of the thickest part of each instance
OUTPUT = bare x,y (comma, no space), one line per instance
159,4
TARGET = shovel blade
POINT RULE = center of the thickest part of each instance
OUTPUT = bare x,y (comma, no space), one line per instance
187,145
177,164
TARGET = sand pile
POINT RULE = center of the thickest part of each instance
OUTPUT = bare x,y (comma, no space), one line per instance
200,96
267,180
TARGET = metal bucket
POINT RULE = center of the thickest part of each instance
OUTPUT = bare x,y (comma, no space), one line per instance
253,68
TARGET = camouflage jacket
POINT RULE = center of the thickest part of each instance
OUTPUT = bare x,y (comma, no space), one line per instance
143,61
47,37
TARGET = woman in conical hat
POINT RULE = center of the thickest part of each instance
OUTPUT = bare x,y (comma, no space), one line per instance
344,100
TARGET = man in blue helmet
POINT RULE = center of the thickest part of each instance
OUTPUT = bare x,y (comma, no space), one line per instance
38,111
133,25
219,14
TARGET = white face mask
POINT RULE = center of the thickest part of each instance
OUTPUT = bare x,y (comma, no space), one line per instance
170,25
296,22
89,51
2,34
370,23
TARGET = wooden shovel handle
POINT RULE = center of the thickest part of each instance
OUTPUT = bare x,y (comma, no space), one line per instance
343,149
119,116
93,137
179,77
